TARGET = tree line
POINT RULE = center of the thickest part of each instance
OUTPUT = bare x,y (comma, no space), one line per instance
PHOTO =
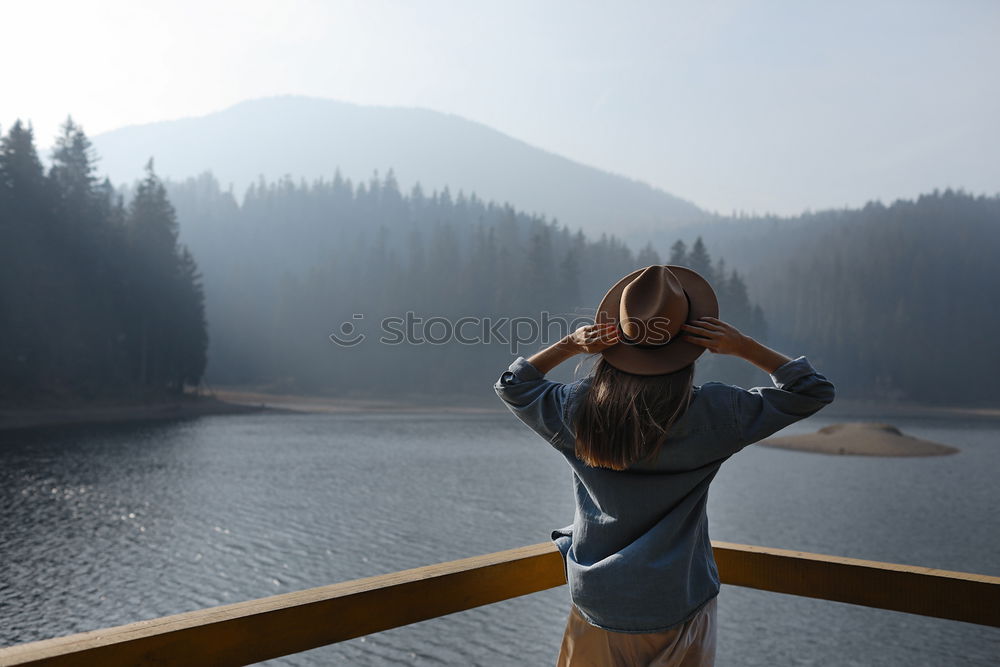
97,297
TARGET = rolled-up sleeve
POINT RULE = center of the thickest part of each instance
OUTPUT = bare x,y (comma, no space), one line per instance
798,392
536,401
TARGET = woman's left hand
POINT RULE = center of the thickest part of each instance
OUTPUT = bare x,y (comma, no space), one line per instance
594,338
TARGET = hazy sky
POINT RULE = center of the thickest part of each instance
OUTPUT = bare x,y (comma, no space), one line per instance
776,106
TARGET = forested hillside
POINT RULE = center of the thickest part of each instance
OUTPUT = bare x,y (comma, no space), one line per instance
898,301
293,262
901,299
97,298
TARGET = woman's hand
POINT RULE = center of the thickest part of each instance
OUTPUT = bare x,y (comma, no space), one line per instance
594,337
589,339
716,336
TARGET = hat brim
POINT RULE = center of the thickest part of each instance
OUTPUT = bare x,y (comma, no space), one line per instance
676,354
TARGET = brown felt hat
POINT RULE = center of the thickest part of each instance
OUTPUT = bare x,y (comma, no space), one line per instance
649,306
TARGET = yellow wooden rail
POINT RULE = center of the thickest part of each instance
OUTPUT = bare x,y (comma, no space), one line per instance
248,632
958,596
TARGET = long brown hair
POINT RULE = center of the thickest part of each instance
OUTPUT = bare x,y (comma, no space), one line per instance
625,418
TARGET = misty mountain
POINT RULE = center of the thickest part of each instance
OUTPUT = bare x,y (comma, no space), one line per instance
307,138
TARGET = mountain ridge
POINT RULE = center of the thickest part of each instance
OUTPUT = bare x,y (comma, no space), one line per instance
309,138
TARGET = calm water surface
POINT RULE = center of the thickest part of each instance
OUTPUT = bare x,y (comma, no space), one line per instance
107,525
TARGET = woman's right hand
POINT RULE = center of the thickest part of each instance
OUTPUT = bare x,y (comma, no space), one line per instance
716,336
594,338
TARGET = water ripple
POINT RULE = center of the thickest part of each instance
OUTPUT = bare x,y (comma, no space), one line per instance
108,525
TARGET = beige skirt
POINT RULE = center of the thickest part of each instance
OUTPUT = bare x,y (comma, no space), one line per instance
689,645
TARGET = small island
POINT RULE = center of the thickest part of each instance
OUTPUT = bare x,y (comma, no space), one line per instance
860,439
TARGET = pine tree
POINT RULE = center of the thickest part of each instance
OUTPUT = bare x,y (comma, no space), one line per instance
153,222
647,256
699,261
569,278
22,177
24,228
190,325
678,254
167,301
539,279
72,176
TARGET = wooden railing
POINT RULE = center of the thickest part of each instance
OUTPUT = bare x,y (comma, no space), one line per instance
248,632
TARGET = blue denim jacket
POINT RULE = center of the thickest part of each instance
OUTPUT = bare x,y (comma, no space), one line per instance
638,557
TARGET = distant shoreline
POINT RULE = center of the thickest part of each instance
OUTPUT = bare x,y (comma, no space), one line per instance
15,418
487,403
240,400
336,404
879,410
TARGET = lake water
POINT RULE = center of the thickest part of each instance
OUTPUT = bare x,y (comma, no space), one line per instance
106,525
